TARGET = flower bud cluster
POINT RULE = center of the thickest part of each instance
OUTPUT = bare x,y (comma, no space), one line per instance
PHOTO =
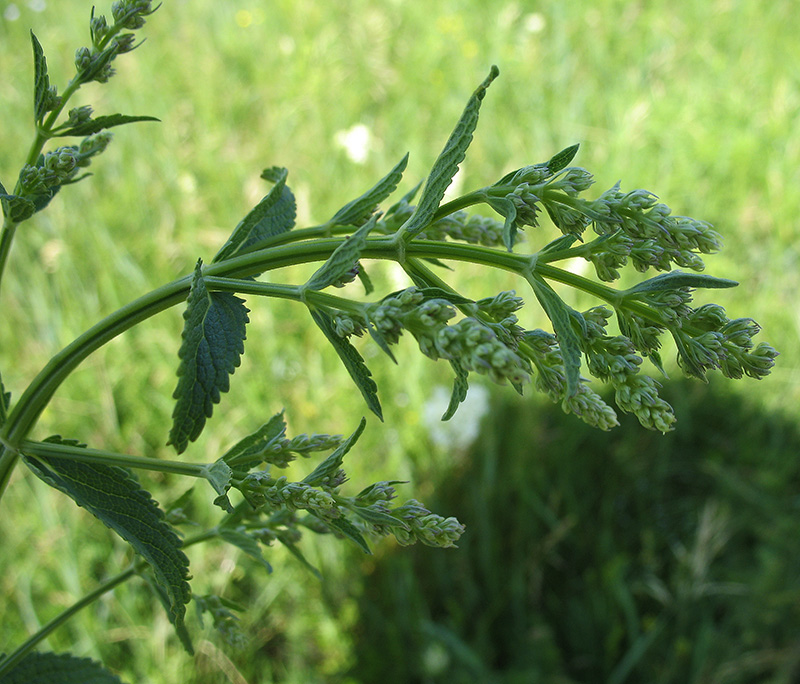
262,491
658,239
60,165
474,229
707,340
426,527
470,342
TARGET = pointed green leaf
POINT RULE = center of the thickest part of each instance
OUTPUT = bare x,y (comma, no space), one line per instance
360,209
244,542
180,628
212,344
562,242
343,260
41,81
352,361
561,316
506,208
15,208
348,530
676,279
377,517
447,163
100,123
460,388
562,159
249,452
219,476
298,554
330,466
62,668
273,215
114,496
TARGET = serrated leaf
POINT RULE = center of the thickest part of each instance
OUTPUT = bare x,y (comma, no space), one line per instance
101,123
180,628
348,530
41,80
219,476
273,215
114,496
352,361
244,542
249,452
361,209
62,668
380,340
677,279
331,465
460,389
447,163
15,208
562,159
343,259
561,317
212,344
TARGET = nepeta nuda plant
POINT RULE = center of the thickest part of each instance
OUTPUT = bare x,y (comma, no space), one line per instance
259,506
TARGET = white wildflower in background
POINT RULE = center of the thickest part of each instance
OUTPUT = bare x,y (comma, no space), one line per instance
462,429
356,141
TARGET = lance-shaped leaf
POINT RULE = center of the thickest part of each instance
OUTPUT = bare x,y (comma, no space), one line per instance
273,215
447,163
360,209
460,389
100,123
113,495
298,554
63,668
41,81
250,451
676,279
562,159
506,208
561,317
330,466
243,541
211,349
343,260
344,527
352,361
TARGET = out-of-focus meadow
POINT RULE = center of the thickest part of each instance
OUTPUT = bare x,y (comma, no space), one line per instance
697,101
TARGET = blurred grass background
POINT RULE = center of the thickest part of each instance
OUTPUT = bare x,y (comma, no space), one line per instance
696,101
